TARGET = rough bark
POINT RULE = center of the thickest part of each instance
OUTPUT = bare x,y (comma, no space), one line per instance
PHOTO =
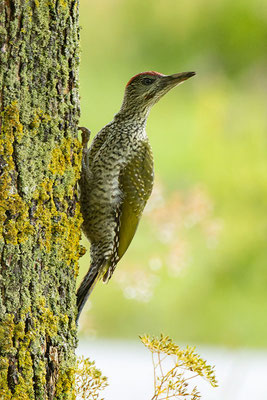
39,215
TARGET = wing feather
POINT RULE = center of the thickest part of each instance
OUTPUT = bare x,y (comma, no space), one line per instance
136,182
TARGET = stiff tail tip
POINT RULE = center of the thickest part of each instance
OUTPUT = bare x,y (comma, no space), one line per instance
85,290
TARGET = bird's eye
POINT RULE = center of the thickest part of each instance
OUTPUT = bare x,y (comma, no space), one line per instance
147,81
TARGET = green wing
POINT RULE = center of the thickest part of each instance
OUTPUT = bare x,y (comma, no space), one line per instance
136,182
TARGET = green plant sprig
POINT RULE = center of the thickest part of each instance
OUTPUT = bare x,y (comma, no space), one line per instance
174,382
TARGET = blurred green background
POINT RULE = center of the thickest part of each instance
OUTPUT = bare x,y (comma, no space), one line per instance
197,268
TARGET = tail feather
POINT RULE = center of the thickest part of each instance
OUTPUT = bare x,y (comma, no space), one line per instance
86,287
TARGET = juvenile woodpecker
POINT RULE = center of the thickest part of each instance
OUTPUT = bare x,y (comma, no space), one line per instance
117,177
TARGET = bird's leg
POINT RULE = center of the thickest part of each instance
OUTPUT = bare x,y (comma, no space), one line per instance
85,136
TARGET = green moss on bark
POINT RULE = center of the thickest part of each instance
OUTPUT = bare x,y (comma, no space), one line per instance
39,215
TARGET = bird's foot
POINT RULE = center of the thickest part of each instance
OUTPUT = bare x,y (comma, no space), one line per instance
85,136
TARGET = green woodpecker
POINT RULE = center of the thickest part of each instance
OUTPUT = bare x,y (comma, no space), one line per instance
117,177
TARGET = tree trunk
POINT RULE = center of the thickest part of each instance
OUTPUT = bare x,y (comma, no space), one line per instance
40,218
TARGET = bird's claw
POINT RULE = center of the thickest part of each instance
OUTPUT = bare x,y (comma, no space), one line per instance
85,135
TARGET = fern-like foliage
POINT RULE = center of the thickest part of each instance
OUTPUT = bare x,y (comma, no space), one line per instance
89,380
171,381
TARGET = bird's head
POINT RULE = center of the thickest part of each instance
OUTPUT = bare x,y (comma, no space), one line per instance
145,89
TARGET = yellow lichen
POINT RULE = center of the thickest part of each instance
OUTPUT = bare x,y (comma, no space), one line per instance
14,340
58,163
64,230
17,227
67,156
66,382
12,126
6,333
49,321
6,340
41,373
63,3
5,392
38,117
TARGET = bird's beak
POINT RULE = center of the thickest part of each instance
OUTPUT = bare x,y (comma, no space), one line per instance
175,79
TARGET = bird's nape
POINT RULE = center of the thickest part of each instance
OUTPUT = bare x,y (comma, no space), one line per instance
118,174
